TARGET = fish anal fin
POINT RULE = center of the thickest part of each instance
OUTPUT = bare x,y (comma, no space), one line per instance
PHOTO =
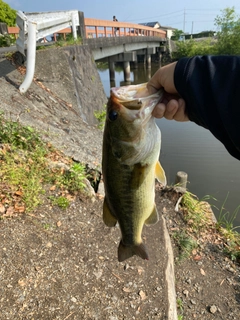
125,252
108,218
153,218
160,174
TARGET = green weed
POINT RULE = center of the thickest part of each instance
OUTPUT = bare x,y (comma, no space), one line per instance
46,226
225,226
196,213
101,116
225,218
72,179
185,243
25,170
23,137
180,304
61,202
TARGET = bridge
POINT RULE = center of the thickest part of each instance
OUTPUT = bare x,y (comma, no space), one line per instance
117,41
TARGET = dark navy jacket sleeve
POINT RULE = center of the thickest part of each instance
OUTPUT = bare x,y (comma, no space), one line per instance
210,86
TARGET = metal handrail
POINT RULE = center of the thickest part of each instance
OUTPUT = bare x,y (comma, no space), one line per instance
34,26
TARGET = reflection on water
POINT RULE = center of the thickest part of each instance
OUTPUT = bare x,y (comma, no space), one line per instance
193,149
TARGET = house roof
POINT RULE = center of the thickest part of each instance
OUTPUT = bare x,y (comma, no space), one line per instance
156,24
150,24
167,28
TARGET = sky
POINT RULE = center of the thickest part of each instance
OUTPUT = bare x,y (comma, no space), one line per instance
187,15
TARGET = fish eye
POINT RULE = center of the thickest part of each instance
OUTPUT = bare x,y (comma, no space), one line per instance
112,116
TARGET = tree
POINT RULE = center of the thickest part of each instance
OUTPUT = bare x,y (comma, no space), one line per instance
177,34
228,36
7,14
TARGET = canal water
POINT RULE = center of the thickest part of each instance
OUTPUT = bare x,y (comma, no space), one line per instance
193,149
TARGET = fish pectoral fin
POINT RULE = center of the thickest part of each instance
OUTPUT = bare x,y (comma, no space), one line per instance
160,174
125,252
108,218
153,217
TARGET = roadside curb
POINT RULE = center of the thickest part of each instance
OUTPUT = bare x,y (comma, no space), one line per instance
170,275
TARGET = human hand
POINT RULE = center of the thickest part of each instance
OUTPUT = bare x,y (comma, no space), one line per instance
171,106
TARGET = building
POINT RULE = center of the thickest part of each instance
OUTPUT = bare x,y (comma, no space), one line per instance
157,25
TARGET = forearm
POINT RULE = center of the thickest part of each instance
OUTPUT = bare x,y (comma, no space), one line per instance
210,86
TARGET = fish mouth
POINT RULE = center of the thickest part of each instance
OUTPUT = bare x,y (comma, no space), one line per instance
137,97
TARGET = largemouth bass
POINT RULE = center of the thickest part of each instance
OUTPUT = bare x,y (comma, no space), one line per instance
131,148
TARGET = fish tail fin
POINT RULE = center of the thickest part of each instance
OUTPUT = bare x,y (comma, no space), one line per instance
125,252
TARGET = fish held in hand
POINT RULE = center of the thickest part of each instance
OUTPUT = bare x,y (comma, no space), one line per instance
131,148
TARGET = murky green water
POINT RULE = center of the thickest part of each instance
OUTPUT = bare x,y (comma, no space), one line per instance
190,148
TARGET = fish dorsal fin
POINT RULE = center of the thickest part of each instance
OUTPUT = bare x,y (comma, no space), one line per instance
153,217
160,174
108,218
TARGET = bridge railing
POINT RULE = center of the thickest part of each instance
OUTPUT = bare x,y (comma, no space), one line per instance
95,28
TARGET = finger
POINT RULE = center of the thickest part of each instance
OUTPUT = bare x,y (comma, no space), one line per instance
154,84
151,88
171,109
159,110
181,115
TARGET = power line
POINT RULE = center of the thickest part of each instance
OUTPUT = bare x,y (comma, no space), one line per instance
158,16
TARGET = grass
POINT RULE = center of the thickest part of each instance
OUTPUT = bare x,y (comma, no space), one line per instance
61,201
196,213
61,42
180,307
72,179
185,243
226,219
225,226
25,169
101,116
198,216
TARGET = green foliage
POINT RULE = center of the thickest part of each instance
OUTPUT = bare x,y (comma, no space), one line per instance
7,14
229,35
185,243
190,48
73,179
25,170
196,211
61,42
180,304
6,40
101,116
177,34
225,226
227,40
23,137
61,202
225,218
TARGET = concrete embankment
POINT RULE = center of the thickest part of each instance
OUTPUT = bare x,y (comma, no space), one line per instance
61,100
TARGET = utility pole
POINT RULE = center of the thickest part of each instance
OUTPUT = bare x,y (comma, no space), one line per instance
192,29
184,20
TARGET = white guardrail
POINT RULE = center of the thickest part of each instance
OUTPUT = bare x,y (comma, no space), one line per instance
34,26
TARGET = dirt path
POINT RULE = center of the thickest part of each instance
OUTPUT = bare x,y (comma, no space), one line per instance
62,264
